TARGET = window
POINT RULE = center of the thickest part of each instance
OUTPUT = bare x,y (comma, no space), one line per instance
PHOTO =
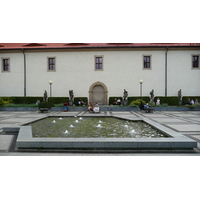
147,62
5,65
51,64
195,61
98,63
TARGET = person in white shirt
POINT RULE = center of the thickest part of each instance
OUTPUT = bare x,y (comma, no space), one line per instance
158,101
96,108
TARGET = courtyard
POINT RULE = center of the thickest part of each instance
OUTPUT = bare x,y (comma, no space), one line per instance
186,123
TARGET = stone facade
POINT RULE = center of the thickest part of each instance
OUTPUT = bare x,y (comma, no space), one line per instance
170,70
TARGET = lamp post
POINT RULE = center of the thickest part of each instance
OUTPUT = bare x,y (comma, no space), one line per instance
141,81
50,83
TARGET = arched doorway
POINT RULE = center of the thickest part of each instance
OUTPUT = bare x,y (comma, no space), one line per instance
98,93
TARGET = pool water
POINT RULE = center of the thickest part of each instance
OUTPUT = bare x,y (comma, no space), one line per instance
93,127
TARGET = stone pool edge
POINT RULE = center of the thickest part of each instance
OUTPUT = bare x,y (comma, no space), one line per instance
177,141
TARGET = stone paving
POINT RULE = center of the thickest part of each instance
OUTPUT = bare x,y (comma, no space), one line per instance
185,122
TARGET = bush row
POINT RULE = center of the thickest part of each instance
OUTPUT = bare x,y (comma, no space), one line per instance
84,99
33,100
184,99
111,99
171,101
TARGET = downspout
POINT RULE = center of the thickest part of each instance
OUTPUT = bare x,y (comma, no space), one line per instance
166,72
24,72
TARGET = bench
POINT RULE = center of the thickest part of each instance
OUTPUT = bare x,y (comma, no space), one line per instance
148,110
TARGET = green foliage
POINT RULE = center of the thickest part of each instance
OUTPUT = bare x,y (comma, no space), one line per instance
190,106
193,106
45,105
171,101
133,105
138,102
165,105
151,104
21,105
25,100
84,99
58,105
33,100
4,101
131,99
58,100
111,99
185,98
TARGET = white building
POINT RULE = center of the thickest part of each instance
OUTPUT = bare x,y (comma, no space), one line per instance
99,70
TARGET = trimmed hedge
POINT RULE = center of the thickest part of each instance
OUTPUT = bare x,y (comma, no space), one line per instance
33,100
185,98
171,101
111,100
58,100
24,100
84,99
45,105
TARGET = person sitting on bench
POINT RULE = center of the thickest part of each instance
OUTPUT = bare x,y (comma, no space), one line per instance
96,108
90,107
146,106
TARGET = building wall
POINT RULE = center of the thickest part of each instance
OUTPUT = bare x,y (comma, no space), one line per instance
181,75
122,70
12,83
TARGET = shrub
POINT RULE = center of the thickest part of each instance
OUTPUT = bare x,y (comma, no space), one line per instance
193,106
4,101
131,99
190,106
138,102
151,104
45,105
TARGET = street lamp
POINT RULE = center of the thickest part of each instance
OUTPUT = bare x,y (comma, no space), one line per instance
50,83
141,81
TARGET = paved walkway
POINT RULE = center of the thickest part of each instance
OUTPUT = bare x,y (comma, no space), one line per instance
186,123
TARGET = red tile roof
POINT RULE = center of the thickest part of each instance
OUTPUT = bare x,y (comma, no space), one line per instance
90,45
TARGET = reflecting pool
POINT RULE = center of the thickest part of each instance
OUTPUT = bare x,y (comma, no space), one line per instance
93,127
